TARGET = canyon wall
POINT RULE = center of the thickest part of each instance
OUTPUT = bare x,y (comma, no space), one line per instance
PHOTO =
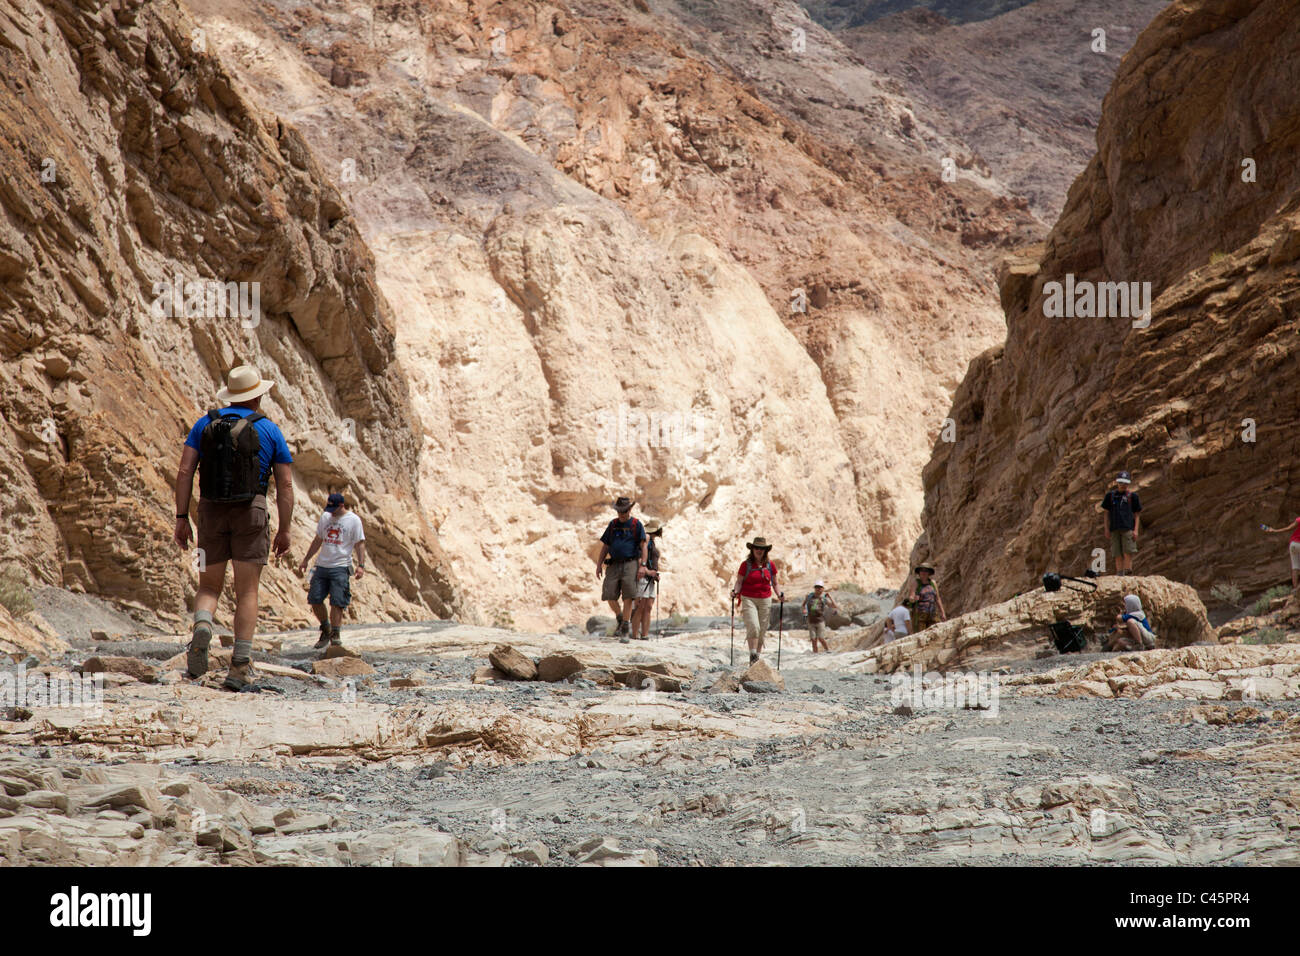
1195,190
129,159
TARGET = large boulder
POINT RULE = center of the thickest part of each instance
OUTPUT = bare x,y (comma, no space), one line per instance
1174,609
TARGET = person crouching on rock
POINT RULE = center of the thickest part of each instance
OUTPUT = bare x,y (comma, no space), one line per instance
1132,630
923,598
647,585
814,607
338,532
755,584
624,543
1294,549
236,449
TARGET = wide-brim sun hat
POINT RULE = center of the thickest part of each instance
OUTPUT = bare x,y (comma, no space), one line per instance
923,567
653,526
758,544
243,384
624,504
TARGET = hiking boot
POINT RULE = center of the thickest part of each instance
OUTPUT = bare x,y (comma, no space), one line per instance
196,658
752,657
324,635
336,636
239,677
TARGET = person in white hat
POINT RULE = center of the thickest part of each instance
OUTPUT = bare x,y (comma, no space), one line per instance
236,450
814,607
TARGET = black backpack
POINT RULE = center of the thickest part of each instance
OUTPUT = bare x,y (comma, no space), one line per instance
229,468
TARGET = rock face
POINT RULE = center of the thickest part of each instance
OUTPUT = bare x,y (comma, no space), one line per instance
618,268
131,160
1199,405
1002,87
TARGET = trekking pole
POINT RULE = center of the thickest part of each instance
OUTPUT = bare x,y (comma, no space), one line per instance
780,626
733,630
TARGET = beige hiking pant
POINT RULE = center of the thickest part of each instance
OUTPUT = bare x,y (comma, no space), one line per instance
755,612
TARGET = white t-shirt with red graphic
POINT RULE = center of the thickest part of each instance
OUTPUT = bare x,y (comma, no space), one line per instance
338,537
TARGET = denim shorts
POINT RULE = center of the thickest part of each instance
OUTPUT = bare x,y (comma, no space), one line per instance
336,581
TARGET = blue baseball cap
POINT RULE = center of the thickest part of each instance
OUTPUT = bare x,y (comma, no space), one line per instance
335,500
1124,478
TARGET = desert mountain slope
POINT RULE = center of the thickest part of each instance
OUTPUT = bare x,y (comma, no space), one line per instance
1023,90
1200,406
129,159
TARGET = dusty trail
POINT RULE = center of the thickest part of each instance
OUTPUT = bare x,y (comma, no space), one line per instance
313,770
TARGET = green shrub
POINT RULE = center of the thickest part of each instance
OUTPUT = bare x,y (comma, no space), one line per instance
1265,635
1268,597
849,586
13,591
1226,592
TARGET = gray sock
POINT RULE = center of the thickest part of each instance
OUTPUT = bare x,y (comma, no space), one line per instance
242,653
201,617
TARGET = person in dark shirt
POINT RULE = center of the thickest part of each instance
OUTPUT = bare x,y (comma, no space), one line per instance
1123,521
624,543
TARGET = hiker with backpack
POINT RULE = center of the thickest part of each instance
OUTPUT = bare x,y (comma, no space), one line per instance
1132,630
1123,520
814,608
923,599
236,450
647,587
338,533
755,584
623,548
1294,549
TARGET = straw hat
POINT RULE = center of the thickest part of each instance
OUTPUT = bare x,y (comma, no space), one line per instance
243,384
653,526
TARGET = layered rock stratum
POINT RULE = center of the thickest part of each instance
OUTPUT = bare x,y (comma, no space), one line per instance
1193,190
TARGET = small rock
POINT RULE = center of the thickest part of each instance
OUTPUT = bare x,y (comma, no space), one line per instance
484,674
338,650
760,687
535,852
132,667
903,710
816,689
512,663
341,667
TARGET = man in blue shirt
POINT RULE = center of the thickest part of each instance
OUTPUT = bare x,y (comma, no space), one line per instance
236,459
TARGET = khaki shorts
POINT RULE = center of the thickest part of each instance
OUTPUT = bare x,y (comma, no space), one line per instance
234,532
620,581
1295,555
817,630
1122,542
756,613
647,588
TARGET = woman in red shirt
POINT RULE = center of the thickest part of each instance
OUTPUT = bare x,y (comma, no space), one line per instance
1295,551
755,584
